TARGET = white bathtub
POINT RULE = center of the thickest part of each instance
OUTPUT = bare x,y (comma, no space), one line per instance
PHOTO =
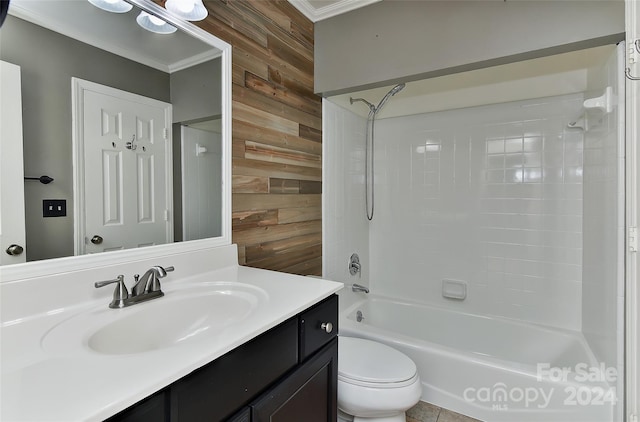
489,368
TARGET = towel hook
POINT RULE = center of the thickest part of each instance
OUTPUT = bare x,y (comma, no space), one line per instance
130,145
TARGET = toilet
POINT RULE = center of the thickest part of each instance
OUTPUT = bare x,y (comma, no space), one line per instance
376,383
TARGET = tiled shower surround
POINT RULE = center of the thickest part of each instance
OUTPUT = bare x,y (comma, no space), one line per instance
515,200
490,196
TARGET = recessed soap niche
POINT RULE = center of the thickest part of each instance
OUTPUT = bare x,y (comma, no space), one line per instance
454,289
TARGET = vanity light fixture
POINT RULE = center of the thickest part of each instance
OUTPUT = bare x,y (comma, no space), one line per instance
191,10
115,6
154,24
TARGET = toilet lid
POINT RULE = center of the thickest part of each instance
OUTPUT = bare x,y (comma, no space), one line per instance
368,361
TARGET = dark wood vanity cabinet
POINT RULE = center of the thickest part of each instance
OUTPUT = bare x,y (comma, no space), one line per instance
288,374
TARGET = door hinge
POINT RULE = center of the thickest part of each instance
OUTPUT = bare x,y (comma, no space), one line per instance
166,133
166,215
633,417
633,239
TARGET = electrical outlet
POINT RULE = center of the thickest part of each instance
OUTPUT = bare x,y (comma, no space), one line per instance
54,208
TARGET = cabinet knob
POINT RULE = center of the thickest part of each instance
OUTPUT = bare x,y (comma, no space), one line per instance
14,250
327,327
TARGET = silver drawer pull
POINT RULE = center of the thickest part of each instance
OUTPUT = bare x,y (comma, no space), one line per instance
327,327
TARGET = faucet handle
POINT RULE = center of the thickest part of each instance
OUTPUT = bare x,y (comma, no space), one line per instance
119,294
159,272
119,279
162,271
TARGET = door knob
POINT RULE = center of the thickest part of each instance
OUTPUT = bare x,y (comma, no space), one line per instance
14,250
96,240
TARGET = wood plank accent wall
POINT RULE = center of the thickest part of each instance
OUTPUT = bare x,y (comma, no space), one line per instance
277,134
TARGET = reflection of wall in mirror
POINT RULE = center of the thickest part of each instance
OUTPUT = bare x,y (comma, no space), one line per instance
196,95
49,60
201,183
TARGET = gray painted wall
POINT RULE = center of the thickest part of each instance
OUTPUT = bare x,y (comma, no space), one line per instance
196,92
400,41
48,61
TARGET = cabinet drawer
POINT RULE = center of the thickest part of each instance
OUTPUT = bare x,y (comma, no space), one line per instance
219,389
318,325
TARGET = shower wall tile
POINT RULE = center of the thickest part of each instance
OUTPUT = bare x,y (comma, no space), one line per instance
490,195
603,223
345,226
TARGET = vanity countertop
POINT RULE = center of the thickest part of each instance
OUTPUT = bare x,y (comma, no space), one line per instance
51,374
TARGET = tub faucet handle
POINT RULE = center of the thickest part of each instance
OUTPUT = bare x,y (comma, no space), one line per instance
354,265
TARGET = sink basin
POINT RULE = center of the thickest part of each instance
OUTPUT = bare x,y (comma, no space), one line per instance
179,317
163,326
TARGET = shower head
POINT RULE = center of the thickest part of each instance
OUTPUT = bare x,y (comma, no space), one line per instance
372,108
391,93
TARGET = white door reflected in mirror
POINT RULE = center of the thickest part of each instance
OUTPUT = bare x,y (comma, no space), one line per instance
122,170
12,230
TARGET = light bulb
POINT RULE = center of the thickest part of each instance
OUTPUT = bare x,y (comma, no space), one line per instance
154,24
156,20
191,10
186,6
114,6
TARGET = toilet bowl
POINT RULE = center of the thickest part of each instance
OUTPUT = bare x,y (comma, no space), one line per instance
376,383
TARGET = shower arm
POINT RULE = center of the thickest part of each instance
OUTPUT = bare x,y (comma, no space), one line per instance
372,108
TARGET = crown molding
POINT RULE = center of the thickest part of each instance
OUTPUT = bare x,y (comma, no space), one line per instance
330,10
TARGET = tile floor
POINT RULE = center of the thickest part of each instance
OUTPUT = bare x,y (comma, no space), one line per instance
426,412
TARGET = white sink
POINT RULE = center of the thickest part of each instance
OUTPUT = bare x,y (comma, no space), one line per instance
181,316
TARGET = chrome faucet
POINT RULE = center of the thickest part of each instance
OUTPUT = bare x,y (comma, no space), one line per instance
146,288
150,281
359,288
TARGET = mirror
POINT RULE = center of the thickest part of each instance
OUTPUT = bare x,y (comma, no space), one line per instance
178,185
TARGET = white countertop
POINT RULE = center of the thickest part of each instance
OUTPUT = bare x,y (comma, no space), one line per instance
57,379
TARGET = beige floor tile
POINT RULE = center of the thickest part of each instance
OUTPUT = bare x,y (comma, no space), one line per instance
449,416
424,412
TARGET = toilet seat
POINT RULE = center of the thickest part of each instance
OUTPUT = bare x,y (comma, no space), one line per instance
368,363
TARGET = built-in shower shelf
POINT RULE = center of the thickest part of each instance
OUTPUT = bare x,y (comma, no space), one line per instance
603,103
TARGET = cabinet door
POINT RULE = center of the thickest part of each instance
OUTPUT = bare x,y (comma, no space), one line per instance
308,394
219,389
151,409
242,416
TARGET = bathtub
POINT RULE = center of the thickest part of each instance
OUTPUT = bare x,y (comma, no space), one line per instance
490,368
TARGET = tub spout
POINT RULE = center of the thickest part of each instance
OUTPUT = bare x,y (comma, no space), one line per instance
359,288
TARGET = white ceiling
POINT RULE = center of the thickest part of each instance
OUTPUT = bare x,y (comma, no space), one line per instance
317,10
117,33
